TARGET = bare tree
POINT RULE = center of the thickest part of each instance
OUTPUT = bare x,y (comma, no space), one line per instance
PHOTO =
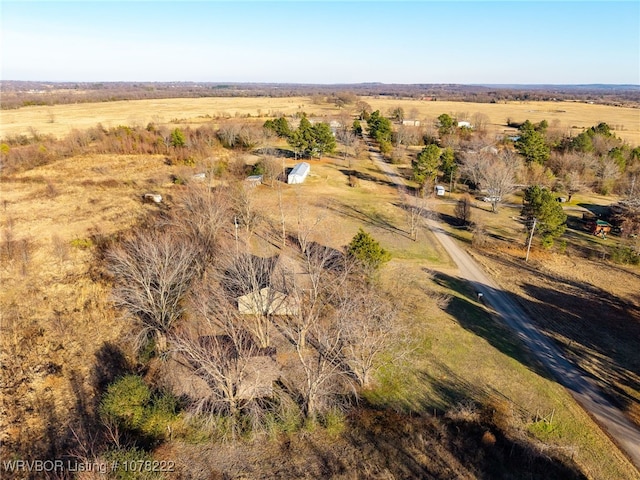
347,138
493,171
415,208
153,271
253,283
607,173
321,368
306,223
203,214
225,362
480,121
272,169
367,326
463,209
322,273
244,208
229,133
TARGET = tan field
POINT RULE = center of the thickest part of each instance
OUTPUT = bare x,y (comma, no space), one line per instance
58,120
54,301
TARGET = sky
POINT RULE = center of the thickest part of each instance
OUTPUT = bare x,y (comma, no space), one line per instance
463,42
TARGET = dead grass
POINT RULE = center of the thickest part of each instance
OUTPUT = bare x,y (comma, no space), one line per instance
55,318
572,117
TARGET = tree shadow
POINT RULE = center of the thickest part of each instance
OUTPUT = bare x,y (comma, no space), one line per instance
365,176
469,310
595,331
375,219
599,211
418,445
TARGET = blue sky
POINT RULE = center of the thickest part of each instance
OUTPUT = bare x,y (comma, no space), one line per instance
322,42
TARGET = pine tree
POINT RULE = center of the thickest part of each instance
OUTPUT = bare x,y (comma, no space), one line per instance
367,251
539,203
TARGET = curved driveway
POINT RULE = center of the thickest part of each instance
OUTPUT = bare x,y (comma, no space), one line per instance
624,433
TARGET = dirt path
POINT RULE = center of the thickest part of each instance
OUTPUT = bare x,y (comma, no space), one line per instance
586,393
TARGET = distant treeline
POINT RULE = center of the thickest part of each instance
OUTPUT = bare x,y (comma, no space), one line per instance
16,94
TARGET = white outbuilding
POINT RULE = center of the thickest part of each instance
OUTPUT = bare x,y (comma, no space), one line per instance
299,173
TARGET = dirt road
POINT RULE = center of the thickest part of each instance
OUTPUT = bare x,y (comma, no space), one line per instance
625,434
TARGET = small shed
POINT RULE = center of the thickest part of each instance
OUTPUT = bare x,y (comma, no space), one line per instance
411,123
254,180
299,173
464,124
440,190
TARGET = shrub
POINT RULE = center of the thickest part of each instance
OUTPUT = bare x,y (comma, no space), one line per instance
625,255
364,248
126,402
130,404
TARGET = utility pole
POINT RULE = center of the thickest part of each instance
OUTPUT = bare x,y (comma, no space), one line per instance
533,229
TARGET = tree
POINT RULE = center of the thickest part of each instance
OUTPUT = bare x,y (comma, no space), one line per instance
493,171
280,126
153,271
397,114
532,145
323,140
312,140
540,203
202,215
363,110
379,127
367,251
367,322
225,362
446,125
463,209
448,164
425,165
178,138
415,210
357,128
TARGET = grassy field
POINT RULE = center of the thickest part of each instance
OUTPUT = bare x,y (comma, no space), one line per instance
58,323
58,120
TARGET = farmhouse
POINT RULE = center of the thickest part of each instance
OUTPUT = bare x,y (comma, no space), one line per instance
299,173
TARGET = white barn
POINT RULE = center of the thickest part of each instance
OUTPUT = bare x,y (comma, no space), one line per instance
299,173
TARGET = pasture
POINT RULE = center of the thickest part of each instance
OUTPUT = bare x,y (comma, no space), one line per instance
58,120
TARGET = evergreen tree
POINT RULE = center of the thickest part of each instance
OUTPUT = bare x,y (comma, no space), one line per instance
531,144
177,138
357,128
323,140
425,165
367,251
446,124
379,127
539,203
280,126
448,164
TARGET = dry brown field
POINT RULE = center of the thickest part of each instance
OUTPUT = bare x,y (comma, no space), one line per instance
56,318
58,120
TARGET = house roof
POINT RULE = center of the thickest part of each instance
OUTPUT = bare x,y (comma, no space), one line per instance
267,301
